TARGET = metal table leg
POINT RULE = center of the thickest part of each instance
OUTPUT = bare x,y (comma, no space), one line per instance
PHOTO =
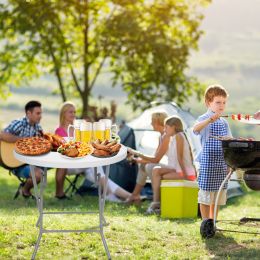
39,202
101,204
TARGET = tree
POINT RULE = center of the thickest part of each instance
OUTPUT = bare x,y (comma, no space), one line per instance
144,44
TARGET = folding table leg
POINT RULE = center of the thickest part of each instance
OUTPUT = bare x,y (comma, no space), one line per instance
101,199
39,201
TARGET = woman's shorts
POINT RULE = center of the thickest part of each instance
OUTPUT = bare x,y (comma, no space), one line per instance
209,197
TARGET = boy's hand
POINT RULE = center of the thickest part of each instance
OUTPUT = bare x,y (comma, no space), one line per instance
214,117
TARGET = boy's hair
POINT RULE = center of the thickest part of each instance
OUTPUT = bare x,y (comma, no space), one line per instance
159,117
213,91
64,108
174,121
31,105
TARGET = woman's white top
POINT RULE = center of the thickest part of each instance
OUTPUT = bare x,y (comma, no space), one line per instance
173,158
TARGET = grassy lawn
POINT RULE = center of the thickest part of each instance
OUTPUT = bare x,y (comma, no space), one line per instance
130,234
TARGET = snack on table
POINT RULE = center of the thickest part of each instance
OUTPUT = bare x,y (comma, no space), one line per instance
55,140
106,148
33,146
75,149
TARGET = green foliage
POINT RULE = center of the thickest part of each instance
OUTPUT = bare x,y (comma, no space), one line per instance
145,44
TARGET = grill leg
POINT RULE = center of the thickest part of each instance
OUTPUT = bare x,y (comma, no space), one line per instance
217,199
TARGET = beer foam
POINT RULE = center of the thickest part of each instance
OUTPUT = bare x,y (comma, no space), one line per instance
85,126
99,126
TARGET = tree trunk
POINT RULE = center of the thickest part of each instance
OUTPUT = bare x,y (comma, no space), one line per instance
85,92
85,106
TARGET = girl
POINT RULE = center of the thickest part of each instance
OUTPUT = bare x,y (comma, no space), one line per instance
146,162
67,116
180,161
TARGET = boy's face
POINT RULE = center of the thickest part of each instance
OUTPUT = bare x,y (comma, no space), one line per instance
218,104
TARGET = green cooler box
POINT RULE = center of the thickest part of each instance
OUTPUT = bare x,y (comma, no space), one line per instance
179,199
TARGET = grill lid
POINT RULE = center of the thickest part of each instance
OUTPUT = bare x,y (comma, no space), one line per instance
242,154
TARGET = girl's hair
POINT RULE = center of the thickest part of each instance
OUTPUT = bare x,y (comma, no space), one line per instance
176,121
213,91
159,117
64,108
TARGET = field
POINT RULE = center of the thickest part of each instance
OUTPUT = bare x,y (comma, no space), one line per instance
130,235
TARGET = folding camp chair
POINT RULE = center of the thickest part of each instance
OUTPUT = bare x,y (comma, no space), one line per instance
21,184
73,183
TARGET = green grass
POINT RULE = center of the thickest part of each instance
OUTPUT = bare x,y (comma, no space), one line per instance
130,234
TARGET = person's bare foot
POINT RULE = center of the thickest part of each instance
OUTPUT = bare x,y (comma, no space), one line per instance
26,194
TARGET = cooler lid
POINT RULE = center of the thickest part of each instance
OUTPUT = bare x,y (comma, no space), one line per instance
179,183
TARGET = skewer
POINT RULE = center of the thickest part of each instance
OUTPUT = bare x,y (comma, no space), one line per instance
238,116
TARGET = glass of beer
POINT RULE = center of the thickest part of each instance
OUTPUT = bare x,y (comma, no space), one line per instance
85,132
99,131
108,123
76,132
114,133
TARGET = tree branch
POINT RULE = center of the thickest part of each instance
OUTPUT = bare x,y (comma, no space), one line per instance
56,68
97,73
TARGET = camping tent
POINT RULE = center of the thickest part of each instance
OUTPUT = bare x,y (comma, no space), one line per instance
147,139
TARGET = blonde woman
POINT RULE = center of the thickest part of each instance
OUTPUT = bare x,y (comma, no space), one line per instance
67,116
180,161
147,163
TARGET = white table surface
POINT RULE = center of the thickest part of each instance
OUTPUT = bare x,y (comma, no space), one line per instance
56,160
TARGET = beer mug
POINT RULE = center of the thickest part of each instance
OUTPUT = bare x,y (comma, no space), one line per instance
99,131
85,132
76,132
114,133
108,123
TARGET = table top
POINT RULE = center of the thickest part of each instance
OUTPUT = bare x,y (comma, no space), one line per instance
56,160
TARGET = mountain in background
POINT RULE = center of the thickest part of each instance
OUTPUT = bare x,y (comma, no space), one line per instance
229,54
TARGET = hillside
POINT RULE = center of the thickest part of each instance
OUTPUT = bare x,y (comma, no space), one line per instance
229,54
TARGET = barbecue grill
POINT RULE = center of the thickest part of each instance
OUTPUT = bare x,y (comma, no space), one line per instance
238,154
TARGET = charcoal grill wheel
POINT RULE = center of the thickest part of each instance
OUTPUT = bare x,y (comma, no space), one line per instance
207,229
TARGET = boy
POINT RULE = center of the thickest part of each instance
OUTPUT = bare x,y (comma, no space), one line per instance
213,168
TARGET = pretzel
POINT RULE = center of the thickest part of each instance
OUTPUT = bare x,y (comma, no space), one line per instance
100,146
98,152
115,148
111,143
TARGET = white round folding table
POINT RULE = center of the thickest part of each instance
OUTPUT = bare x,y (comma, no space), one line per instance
55,160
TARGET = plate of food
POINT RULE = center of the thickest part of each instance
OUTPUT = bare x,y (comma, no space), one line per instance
250,121
72,158
105,149
33,146
75,150
98,155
